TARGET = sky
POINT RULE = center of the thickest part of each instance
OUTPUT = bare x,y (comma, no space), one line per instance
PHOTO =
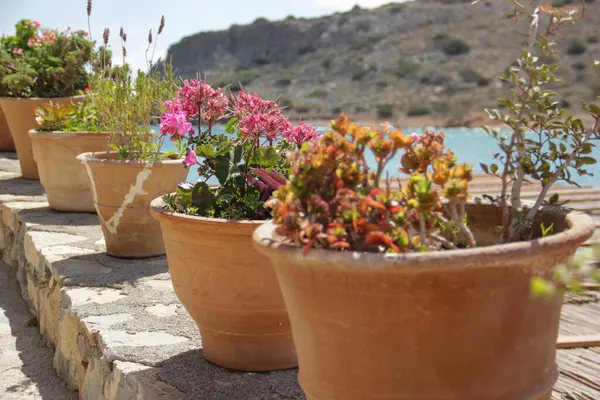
183,17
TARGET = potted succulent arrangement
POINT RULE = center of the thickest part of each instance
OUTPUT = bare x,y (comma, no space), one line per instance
228,287
38,65
64,132
124,181
418,291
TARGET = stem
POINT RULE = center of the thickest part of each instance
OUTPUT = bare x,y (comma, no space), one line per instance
463,228
422,230
443,241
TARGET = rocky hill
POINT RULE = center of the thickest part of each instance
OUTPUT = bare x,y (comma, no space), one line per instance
439,58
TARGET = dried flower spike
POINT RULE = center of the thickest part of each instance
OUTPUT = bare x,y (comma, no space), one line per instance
106,35
124,36
162,24
89,7
121,33
150,37
124,52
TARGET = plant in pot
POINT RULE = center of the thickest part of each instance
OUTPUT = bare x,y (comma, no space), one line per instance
230,290
39,65
415,291
64,132
124,181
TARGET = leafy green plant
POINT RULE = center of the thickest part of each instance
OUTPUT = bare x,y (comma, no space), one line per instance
335,201
576,46
40,62
385,110
406,67
546,143
129,102
68,117
451,46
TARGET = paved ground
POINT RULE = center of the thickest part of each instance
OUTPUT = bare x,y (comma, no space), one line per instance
26,371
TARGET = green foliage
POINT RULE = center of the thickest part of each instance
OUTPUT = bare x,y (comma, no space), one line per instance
129,103
43,63
418,110
69,117
318,93
576,46
406,67
450,45
593,39
470,75
385,110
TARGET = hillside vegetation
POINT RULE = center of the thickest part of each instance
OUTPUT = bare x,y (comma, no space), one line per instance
437,58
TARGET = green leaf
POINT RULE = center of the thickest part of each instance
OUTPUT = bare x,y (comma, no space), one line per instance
238,152
205,150
222,168
494,168
484,168
585,161
541,287
203,197
265,157
231,125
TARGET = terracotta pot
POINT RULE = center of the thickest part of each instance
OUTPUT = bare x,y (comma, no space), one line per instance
56,155
229,289
19,113
6,140
122,191
452,325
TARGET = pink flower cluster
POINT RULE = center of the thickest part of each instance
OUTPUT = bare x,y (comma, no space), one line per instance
36,41
17,51
246,103
301,134
270,126
175,123
202,101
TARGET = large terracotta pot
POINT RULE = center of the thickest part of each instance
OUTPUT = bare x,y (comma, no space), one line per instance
452,325
19,113
6,140
122,191
229,289
62,175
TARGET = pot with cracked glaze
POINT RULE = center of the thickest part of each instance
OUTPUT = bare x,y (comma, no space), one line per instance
452,325
122,191
229,289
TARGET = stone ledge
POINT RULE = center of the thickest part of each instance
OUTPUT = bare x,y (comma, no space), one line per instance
117,328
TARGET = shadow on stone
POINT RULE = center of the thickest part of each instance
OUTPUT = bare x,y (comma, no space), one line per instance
102,270
27,372
56,220
193,375
17,186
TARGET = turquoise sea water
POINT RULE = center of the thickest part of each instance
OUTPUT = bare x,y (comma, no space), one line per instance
469,145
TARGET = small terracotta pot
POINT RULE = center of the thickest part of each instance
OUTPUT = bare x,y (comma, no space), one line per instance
62,175
19,113
452,325
122,191
229,289
6,140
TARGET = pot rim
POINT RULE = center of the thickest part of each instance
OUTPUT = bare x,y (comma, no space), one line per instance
47,99
580,228
157,206
60,134
90,158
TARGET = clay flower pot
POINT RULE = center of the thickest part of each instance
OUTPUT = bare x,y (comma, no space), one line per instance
62,175
229,289
452,325
19,113
6,140
122,191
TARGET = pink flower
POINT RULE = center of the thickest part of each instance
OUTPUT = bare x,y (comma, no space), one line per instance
68,28
31,42
301,134
85,34
246,103
202,101
36,23
269,126
173,123
191,158
17,51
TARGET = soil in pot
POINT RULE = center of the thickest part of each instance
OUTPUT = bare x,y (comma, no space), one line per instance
122,192
63,176
452,325
229,289
19,113
6,140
